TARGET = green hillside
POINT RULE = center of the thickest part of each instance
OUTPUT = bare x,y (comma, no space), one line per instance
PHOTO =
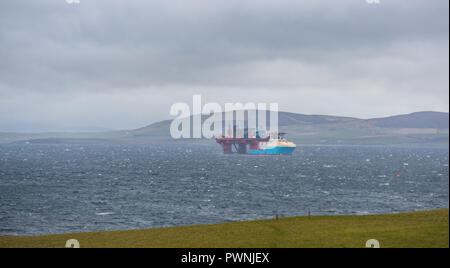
405,230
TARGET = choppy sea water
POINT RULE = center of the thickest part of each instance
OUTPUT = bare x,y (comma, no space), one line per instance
47,189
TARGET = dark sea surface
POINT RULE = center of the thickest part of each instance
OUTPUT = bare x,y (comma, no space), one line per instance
46,189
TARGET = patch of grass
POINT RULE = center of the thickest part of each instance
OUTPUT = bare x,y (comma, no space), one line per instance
415,229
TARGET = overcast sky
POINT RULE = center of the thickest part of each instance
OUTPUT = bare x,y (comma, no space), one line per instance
120,64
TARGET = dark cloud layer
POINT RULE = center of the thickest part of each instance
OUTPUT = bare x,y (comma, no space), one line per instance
66,66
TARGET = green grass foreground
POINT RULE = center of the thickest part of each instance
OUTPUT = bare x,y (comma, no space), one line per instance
415,229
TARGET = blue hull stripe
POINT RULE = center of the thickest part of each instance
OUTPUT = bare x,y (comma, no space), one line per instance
274,150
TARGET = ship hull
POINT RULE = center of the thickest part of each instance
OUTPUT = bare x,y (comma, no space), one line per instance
274,151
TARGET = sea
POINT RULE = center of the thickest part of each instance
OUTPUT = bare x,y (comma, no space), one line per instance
50,189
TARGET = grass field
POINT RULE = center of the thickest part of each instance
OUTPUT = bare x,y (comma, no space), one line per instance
416,229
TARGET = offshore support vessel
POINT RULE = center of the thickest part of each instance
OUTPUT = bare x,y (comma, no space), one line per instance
257,145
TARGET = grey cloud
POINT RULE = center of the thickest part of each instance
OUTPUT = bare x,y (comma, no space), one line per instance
130,43
116,47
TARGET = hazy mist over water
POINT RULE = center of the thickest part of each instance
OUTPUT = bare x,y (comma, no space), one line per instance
78,188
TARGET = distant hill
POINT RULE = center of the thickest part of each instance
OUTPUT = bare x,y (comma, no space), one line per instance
436,120
415,120
289,119
421,128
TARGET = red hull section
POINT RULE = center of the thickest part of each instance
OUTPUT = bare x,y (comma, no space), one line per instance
240,144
